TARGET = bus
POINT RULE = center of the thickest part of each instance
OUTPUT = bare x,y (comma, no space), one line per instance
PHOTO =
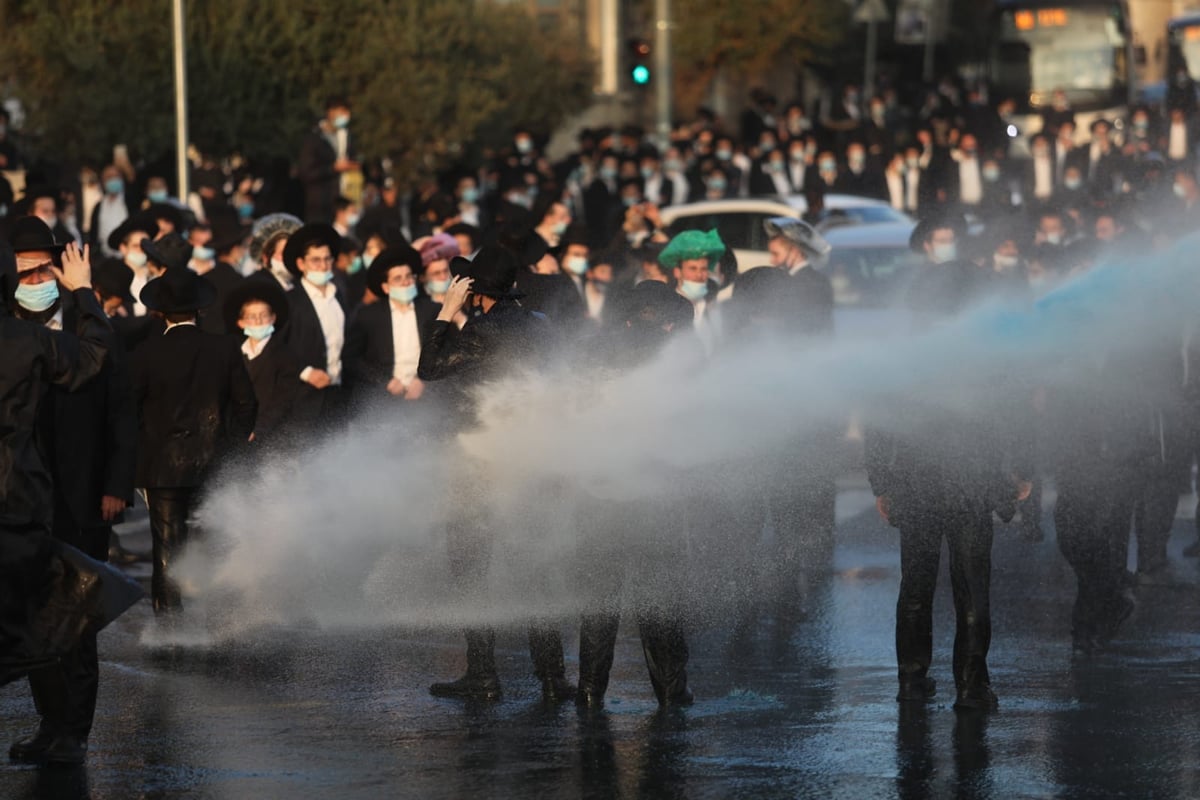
1083,47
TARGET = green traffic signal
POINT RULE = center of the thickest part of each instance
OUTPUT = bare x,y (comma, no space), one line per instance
641,74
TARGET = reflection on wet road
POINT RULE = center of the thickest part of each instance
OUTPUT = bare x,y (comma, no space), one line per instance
794,699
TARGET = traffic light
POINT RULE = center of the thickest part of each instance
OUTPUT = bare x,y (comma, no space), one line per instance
639,62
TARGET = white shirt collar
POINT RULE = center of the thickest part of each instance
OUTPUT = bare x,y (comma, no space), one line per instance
172,325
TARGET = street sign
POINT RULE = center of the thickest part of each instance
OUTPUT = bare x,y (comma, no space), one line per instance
919,22
872,11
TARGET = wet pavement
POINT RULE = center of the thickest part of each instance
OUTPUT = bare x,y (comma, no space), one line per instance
798,701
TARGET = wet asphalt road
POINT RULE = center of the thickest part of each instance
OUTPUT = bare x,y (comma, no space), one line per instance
798,702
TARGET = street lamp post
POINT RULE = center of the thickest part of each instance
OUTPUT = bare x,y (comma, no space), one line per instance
181,131
662,56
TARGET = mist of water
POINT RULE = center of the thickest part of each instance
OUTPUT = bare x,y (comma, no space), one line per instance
644,486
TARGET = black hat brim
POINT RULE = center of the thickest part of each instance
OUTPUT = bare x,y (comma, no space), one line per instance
260,287
133,223
306,236
152,297
395,256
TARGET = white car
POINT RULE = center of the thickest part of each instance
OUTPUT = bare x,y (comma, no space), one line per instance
740,221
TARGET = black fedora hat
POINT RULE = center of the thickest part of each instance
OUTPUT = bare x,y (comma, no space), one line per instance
178,291
398,255
493,271
30,234
135,223
261,287
112,279
170,213
314,234
926,225
170,252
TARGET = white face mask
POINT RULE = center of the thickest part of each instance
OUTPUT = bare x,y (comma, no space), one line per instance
319,279
576,264
1006,263
693,290
135,260
277,266
943,253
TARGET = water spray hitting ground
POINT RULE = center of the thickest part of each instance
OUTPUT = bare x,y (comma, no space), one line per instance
592,481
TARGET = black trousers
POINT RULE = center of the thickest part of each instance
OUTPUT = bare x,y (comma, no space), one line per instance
170,509
663,645
1091,521
65,694
969,536
1155,500
470,554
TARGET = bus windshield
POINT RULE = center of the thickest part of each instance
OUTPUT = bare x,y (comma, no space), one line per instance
1079,49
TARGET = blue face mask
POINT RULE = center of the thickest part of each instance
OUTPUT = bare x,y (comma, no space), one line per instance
576,264
203,253
341,121
318,279
560,228
693,290
259,332
37,297
629,202
157,195
470,195
355,266
608,173
114,186
403,294
437,287
368,259
246,210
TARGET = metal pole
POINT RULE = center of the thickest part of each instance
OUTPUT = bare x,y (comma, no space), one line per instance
869,70
662,66
609,48
181,131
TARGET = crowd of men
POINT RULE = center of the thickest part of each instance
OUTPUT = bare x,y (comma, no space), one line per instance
239,330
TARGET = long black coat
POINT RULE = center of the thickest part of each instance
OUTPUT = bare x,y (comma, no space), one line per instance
813,301
489,346
275,374
195,405
91,437
320,179
31,360
370,358
306,339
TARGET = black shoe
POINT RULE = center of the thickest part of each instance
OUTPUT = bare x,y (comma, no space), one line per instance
589,698
469,687
917,690
32,749
66,751
678,698
557,689
1124,608
976,698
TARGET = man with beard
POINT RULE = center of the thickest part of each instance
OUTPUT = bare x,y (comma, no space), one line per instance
500,336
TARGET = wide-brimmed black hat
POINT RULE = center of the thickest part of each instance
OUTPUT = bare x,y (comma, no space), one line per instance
135,223
262,287
30,234
178,291
227,229
171,251
399,255
170,213
928,224
655,301
312,234
112,279
576,233
493,271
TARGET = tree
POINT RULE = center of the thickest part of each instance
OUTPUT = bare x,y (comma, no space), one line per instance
747,39
426,80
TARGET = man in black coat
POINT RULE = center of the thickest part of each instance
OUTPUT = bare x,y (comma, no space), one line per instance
499,336
325,156
316,331
195,407
403,318
34,361
257,308
941,476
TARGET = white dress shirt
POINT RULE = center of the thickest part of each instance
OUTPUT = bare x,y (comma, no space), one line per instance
406,342
253,349
1043,177
112,213
970,182
1177,144
333,326
141,276
55,323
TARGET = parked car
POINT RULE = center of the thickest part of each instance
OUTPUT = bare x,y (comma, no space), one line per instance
870,267
740,221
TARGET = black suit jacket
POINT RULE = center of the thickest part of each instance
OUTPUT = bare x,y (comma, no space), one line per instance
320,179
812,295
306,339
224,279
195,405
90,437
370,358
275,375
